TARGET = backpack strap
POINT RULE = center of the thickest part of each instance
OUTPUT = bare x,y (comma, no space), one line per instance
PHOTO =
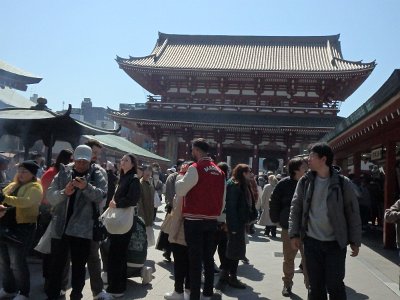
341,183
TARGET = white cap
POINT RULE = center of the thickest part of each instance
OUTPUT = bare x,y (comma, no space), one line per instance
83,152
172,170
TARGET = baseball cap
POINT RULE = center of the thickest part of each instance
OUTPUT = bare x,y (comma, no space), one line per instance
83,152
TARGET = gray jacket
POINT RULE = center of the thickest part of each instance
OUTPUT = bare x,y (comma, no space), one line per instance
343,209
81,221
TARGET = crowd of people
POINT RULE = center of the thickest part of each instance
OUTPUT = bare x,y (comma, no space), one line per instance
210,209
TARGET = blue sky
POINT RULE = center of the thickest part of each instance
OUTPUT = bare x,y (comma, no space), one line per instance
73,44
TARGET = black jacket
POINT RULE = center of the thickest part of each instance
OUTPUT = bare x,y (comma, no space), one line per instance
281,198
128,190
237,207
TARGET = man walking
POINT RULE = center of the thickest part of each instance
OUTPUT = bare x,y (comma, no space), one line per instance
279,210
325,215
203,187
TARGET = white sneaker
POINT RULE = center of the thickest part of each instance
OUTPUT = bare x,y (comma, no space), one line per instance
174,296
298,270
4,294
20,297
147,275
103,295
104,277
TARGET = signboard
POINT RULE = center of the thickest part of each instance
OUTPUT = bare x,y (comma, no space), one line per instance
376,154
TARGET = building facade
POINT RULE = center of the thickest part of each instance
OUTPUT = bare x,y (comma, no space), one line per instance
251,97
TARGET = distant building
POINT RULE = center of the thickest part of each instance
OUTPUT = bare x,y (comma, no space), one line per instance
91,114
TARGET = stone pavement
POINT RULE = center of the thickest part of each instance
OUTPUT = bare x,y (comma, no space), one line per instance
374,274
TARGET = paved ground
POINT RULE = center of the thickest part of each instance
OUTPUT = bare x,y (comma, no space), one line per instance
374,274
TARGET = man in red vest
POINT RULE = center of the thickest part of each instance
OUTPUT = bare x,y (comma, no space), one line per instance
203,187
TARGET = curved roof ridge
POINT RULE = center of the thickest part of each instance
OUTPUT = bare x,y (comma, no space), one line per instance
372,64
17,71
132,58
163,36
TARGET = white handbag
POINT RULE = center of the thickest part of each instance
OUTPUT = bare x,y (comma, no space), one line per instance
44,244
118,220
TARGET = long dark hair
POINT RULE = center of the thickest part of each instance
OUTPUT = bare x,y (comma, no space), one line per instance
64,157
133,161
237,175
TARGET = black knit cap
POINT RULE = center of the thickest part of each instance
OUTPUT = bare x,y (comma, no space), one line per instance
30,165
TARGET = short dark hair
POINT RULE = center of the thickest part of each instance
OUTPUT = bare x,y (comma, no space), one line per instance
201,144
179,163
64,157
322,149
224,167
91,143
294,165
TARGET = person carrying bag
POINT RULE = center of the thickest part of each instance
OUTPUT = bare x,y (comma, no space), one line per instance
118,219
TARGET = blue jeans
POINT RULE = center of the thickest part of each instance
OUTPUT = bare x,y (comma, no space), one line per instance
13,265
200,239
325,263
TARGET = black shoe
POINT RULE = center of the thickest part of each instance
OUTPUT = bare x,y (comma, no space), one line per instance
221,284
167,256
287,291
236,283
245,260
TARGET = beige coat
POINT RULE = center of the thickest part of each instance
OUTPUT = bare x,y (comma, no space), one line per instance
176,231
265,219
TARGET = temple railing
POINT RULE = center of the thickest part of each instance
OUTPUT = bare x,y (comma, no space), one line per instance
156,103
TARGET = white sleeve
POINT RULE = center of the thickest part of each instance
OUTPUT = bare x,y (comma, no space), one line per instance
185,184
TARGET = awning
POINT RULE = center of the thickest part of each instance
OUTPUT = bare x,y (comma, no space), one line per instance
121,144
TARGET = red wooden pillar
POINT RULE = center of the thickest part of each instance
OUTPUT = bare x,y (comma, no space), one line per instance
187,150
255,159
219,152
389,232
357,164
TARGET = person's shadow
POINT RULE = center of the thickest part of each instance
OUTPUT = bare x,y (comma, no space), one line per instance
250,272
354,295
246,294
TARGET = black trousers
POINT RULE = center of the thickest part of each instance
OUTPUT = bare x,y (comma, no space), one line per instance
326,269
117,259
181,267
221,239
79,250
200,238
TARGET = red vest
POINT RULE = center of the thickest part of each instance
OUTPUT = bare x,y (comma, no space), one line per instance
205,199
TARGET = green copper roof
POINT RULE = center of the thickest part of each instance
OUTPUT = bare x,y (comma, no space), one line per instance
121,144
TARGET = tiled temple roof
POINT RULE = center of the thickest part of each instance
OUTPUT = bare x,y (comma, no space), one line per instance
247,53
16,78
